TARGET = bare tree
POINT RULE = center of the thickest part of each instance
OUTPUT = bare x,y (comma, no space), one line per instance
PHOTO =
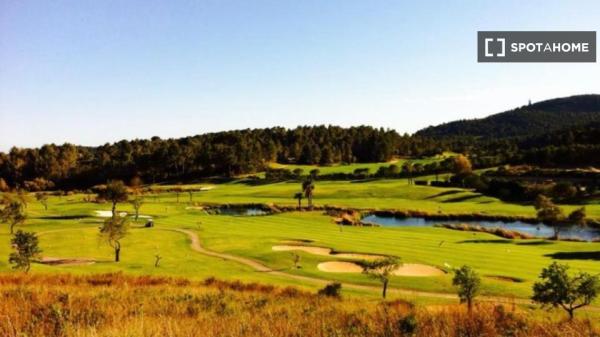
137,203
296,260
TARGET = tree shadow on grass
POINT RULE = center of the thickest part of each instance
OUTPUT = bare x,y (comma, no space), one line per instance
535,243
441,194
463,198
486,241
65,217
575,256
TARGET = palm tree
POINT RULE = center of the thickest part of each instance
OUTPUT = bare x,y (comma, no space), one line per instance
299,197
308,187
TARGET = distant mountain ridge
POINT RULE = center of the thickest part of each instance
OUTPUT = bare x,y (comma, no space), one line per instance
534,119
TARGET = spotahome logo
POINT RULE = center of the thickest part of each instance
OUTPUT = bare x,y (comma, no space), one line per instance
529,46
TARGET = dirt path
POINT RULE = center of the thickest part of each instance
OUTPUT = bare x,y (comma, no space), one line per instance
197,246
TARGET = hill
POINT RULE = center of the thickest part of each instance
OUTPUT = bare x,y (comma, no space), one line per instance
533,119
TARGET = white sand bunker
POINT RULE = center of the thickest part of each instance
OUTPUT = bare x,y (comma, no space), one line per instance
108,214
307,249
66,261
407,269
416,269
325,252
200,208
339,267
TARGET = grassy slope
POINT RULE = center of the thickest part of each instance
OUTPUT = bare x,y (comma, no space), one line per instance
382,194
349,168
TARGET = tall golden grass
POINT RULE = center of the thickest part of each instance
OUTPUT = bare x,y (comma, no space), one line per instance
115,305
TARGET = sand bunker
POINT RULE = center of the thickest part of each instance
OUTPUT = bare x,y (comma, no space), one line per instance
308,249
357,256
416,269
195,207
407,269
66,261
339,267
325,252
108,214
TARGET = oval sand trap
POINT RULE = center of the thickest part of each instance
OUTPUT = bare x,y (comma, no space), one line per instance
407,269
325,252
339,267
108,214
308,249
416,269
357,256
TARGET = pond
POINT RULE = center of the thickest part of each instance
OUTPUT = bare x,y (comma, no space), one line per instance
537,230
241,211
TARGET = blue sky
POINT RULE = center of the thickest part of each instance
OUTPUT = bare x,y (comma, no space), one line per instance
90,72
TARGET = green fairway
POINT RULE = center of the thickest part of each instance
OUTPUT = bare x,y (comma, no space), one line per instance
377,194
70,229
349,168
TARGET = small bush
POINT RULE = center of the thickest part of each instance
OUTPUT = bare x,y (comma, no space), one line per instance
408,325
331,290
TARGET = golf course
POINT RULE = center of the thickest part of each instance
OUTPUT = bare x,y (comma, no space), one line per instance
191,241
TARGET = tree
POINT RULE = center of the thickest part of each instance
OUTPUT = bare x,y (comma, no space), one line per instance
407,169
115,192
298,196
462,165
298,172
564,190
577,217
296,259
43,199
314,173
435,167
308,188
549,213
382,269
113,231
191,194
177,190
468,283
13,213
558,289
137,203
26,248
